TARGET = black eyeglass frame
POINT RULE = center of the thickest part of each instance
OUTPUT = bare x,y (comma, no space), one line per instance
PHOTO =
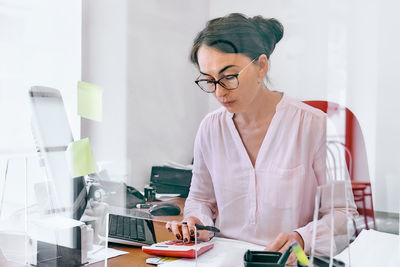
223,77
218,81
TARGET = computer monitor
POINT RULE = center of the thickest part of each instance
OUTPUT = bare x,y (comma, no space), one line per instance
52,135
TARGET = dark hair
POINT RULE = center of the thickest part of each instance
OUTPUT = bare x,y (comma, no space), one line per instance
236,33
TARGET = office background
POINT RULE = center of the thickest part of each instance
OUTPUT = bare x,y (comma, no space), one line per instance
138,51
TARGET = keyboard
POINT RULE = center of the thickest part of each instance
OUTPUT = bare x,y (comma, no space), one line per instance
134,229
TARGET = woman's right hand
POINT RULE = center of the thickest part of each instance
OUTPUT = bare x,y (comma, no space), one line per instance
185,230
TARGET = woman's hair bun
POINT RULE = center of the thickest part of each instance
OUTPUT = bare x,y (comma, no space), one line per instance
271,30
237,33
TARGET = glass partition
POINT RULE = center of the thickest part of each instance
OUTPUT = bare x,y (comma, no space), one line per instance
123,224
333,225
132,219
331,54
15,245
33,231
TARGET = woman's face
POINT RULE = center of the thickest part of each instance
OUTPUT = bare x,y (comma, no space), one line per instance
214,64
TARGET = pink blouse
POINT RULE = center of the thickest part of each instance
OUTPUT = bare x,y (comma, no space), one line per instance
255,204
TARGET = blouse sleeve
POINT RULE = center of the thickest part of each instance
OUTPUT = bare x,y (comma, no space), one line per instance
201,202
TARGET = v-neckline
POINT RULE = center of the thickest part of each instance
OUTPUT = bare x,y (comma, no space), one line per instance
265,140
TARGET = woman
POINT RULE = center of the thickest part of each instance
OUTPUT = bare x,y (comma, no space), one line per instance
258,159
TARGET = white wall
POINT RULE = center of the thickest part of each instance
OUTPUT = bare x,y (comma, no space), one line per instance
40,44
104,54
164,105
387,175
139,52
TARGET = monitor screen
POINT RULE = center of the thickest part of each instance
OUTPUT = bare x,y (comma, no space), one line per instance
52,135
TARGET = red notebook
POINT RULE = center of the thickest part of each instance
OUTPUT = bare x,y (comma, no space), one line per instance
177,248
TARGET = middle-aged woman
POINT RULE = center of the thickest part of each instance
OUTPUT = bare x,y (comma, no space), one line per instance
258,159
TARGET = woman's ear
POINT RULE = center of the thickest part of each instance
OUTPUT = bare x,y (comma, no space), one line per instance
263,65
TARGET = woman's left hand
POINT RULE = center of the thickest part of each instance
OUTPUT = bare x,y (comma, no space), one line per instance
282,243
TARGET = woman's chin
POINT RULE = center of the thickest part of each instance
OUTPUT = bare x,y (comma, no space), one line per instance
230,106
231,109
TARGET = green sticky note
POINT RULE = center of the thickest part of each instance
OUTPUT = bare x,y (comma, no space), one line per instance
80,158
90,101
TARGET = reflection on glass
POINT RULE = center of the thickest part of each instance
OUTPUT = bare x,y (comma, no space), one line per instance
334,214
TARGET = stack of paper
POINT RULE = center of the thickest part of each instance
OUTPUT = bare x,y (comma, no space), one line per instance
372,248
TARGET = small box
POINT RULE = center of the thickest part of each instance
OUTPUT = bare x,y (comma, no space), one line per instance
262,259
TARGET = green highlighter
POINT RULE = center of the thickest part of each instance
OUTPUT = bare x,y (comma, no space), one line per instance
298,251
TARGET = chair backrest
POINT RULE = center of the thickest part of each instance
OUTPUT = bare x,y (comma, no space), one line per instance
349,128
356,158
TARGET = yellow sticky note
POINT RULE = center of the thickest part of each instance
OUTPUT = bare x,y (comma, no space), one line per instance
80,158
90,101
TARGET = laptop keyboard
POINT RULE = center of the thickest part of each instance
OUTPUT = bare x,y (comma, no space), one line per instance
128,228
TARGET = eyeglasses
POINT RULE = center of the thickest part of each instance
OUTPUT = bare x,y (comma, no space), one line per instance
229,82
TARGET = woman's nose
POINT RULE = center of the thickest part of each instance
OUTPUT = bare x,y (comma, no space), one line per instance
220,91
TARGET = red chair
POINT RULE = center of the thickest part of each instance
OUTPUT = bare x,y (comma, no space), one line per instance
352,140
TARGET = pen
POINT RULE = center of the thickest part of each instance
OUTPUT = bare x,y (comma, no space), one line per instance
202,227
144,206
208,228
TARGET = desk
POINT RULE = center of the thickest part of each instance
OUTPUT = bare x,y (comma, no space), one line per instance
136,257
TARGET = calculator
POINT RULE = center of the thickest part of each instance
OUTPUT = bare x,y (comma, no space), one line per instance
178,248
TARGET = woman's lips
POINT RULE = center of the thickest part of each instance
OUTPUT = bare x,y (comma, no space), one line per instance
228,103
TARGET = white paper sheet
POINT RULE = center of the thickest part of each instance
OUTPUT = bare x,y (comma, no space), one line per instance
372,248
226,253
99,253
